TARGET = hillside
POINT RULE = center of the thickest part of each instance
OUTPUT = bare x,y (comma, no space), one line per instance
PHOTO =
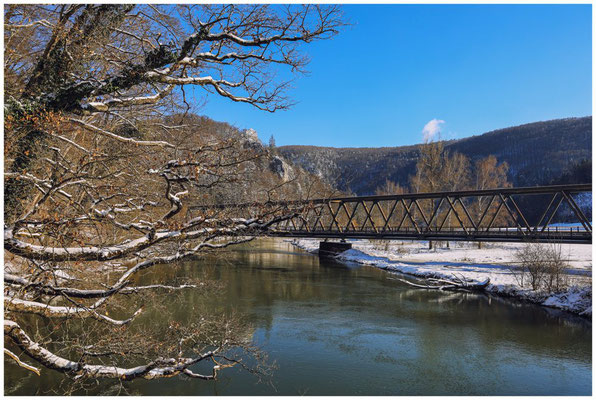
537,154
262,176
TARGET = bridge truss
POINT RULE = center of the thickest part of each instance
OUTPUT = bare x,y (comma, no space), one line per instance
495,215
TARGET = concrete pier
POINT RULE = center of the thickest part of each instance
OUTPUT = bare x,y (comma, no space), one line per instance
331,249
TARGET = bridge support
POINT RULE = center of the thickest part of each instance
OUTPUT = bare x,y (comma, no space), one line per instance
330,249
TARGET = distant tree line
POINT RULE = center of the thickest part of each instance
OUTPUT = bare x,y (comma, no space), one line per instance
440,170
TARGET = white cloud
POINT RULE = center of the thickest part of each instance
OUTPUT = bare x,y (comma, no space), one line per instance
431,128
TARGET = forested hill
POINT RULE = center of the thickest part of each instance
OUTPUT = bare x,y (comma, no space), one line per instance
537,154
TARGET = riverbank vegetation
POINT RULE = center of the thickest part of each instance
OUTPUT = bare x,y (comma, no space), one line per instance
104,161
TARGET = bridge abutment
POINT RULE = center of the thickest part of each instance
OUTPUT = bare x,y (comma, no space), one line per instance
331,249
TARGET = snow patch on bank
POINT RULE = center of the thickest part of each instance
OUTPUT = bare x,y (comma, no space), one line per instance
466,260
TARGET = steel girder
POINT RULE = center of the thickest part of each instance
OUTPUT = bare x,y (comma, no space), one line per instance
473,215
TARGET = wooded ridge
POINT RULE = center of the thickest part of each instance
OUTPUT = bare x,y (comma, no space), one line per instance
537,153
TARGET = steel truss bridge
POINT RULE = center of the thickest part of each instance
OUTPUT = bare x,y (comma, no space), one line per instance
495,215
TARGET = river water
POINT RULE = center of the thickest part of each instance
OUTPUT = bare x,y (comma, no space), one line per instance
333,329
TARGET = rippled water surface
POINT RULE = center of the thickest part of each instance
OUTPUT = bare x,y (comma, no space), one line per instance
354,330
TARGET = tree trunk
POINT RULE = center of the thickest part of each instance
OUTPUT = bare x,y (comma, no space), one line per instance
16,192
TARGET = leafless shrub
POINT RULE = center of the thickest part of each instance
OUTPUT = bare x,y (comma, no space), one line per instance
541,267
556,279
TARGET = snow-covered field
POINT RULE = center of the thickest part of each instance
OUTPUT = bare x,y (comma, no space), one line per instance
496,261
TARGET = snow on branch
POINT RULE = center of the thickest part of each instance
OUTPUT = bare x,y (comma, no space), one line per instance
32,307
111,252
14,280
21,363
111,135
41,22
159,368
95,106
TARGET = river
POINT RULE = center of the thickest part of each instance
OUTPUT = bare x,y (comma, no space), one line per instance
335,329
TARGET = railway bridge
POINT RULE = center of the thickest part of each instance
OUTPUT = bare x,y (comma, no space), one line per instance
523,214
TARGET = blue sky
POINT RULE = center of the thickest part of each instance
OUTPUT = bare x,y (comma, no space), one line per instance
475,67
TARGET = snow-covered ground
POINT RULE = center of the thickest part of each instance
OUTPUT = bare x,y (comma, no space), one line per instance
496,261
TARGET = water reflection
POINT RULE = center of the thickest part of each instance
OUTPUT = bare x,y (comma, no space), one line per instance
337,329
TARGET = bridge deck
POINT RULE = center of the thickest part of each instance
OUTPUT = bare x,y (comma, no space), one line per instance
571,235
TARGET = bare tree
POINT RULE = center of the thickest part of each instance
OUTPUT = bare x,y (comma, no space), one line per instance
487,174
439,171
97,181
389,188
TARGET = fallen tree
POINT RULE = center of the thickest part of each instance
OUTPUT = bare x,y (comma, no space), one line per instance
454,283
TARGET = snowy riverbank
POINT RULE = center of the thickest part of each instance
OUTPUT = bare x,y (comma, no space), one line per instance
496,261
